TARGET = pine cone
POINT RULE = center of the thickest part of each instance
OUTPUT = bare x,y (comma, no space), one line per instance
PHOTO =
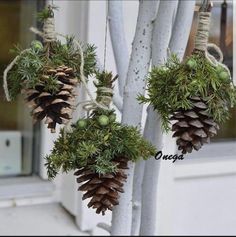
103,189
57,106
193,127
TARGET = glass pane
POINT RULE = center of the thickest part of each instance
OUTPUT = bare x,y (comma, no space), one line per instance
16,128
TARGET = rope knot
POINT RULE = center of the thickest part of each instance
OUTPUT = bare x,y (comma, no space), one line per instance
49,33
202,35
201,41
104,96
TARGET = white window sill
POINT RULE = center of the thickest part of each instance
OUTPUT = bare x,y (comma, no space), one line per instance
23,190
215,159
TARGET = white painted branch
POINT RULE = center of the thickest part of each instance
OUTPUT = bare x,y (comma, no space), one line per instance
118,40
182,27
178,43
137,191
153,133
161,37
162,31
104,226
137,196
135,84
117,100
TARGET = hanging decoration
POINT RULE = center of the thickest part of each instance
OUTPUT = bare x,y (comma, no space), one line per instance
99,148
196,93
47,74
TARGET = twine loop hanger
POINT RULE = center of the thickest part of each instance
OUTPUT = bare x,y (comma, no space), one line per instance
202,35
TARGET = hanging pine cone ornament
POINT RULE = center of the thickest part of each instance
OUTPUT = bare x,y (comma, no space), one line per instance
56,106
103,189
193,127
47,74
194,95
99,149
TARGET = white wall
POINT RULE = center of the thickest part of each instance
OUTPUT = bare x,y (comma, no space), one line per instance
197,195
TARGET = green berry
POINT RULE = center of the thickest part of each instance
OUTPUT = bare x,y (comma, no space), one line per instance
36,45
164,68
103,120
223,75
112,118
219,69
192,64
65,47
82,123
194,82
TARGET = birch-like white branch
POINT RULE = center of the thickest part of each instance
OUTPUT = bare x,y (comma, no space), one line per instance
117,100
178,43
118,40
162,31
104,226
137,190
135,84
153,133
161,37
137,196
182,27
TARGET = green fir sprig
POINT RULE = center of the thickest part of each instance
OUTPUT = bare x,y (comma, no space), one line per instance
46,13
32,63
171,86
29,68
96,141
96,145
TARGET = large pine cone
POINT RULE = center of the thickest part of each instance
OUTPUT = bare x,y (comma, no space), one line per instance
103,189
56,106
193,127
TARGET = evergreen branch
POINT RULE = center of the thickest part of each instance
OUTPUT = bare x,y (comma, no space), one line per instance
171,86
30,67
46,13
97,146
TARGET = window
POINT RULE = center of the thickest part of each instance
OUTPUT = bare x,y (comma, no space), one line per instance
17,133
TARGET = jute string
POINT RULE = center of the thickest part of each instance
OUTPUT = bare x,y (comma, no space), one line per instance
49,33
8,68
201,41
